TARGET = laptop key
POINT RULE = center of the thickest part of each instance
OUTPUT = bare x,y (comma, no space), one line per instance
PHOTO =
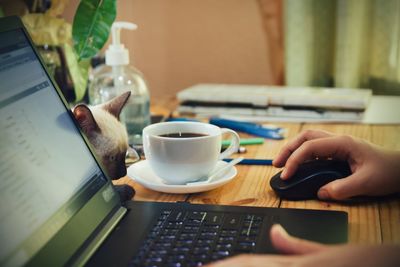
213,219
205,242
196,238
166,212
197,215
203,257
174,225
223,247
249,232
167,237
190,229
219,255
177,257
226,240
160,246
208,235
196,263
180,250
187,236
201,250
225,233
223,253
232,221
211,228
176,264
183,243
160,253
258,218
247,238
195,222
245,246
152,263
177,216
248,217
155,259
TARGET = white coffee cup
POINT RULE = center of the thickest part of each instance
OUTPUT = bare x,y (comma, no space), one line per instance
179,160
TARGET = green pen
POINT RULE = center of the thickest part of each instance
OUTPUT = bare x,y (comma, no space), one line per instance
245,141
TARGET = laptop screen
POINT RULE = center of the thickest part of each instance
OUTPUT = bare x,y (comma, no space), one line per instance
47,171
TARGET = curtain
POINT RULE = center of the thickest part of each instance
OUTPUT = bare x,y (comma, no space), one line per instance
343,43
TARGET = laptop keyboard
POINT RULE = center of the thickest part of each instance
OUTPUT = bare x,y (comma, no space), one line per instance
194,238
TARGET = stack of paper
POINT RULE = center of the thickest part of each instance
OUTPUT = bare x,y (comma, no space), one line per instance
278,103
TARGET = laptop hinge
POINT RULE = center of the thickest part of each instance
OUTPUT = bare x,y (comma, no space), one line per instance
100,237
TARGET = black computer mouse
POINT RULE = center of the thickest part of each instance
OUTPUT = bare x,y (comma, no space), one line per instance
309,177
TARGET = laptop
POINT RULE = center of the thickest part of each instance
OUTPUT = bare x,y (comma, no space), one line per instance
58,207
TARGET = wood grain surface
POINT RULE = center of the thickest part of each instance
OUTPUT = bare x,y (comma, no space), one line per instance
370,222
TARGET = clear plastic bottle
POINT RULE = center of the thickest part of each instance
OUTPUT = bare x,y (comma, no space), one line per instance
117,77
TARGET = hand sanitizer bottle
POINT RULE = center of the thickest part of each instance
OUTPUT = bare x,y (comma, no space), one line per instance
117,77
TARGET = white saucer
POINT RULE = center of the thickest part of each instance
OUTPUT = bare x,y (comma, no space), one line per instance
142,173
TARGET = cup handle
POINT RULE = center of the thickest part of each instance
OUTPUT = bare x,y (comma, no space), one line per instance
233,147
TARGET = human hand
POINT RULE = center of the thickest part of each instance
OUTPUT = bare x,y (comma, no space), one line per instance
308,254
375,170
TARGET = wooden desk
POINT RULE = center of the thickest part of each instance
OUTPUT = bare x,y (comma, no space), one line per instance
369,223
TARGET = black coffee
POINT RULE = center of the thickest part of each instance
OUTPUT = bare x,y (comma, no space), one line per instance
182,135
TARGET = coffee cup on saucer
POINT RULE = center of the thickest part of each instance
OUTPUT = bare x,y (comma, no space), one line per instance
183,152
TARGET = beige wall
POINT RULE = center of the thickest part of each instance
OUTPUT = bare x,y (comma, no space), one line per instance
183,42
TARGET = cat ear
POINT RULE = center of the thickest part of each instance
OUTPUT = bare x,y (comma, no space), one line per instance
86,120
115,105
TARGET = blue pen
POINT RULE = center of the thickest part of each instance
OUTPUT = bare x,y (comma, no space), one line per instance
253,161
249,127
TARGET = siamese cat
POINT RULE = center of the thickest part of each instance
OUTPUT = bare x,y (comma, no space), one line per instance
108,137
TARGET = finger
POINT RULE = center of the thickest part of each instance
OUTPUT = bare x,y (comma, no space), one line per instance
342,188
248,260
290,147
287,244
337,147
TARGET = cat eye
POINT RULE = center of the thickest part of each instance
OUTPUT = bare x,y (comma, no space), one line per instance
112,158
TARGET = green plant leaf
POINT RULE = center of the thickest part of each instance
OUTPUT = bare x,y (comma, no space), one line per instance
91,26
79,72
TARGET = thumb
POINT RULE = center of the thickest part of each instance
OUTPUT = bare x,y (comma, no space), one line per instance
287,244
342,188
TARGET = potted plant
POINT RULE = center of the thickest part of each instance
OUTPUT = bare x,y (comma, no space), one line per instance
67,49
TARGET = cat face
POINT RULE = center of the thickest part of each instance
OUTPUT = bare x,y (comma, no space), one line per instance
107,135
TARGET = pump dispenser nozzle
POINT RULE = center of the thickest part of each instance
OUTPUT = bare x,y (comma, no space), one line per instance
116,77
117,54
